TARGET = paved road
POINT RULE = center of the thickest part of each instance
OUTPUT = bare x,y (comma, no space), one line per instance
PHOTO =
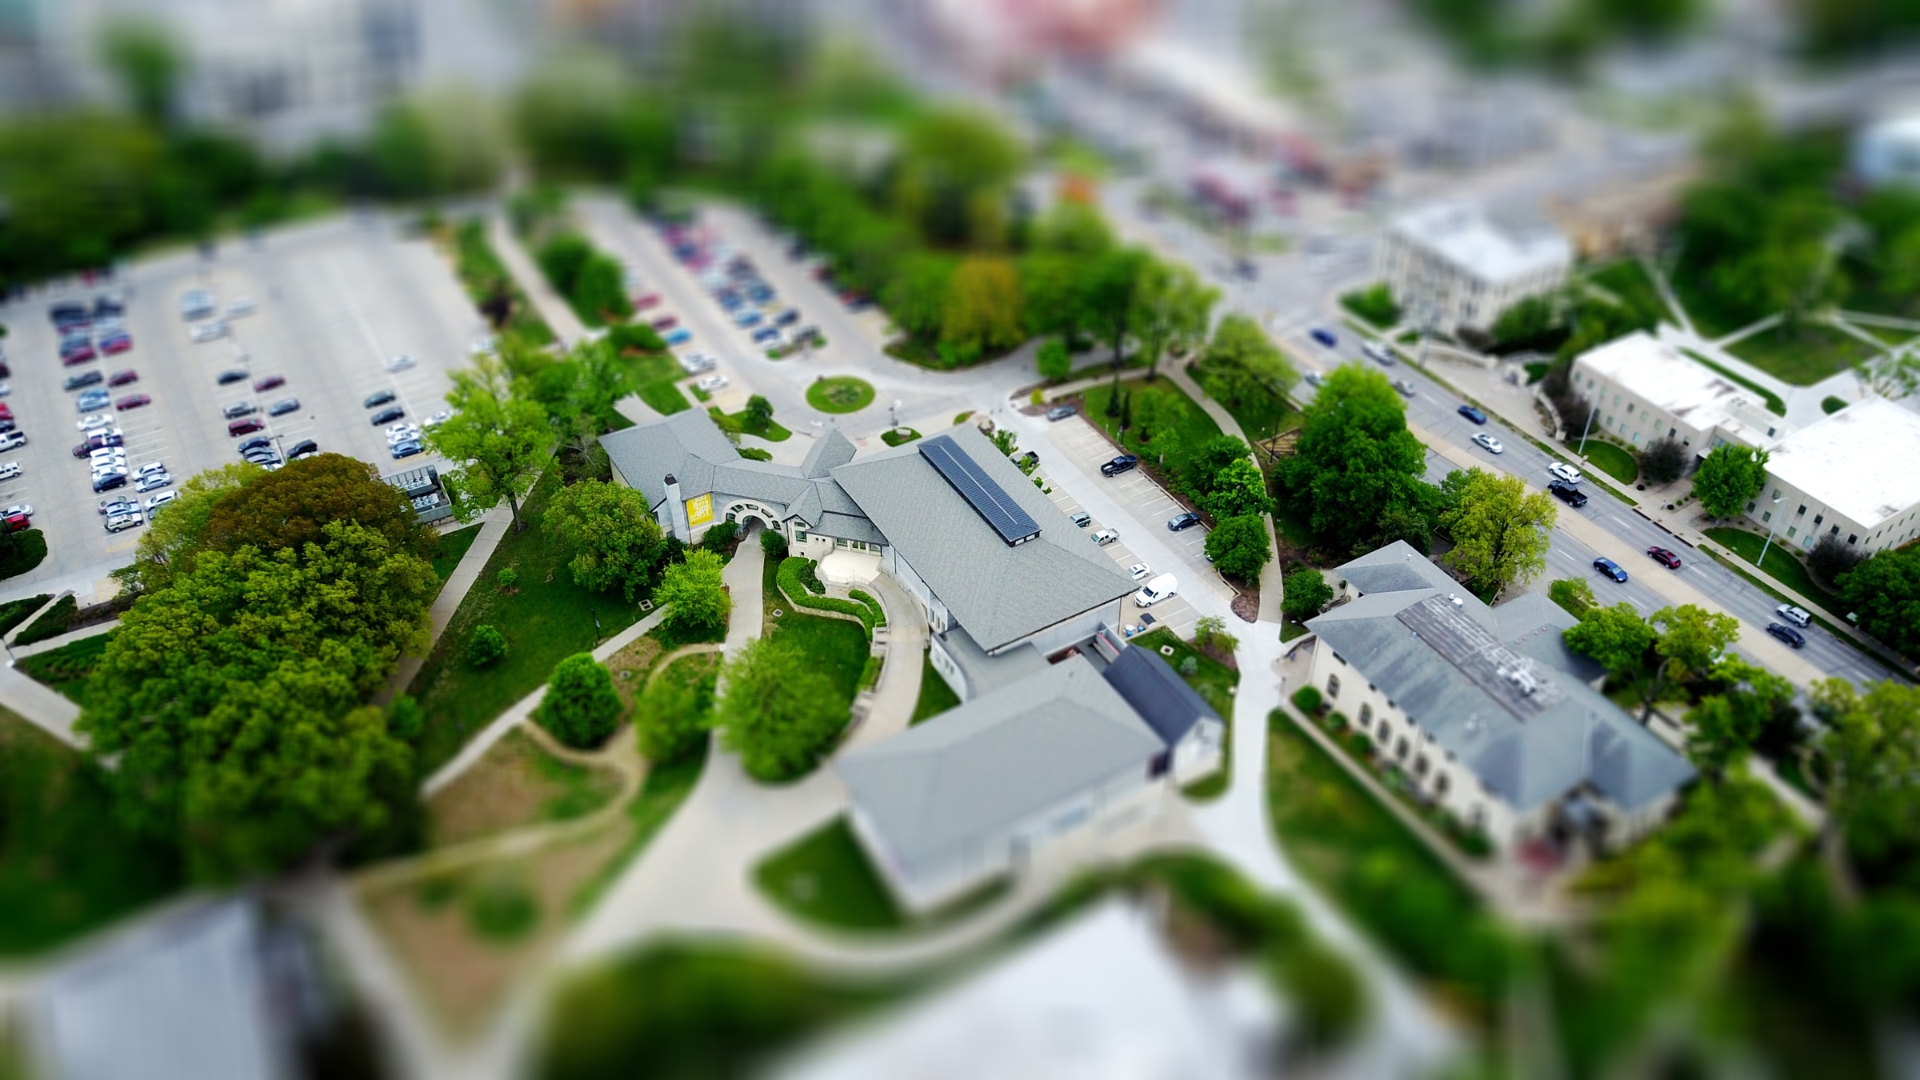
332,302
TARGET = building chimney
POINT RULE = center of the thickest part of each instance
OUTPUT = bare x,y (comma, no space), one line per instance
677,510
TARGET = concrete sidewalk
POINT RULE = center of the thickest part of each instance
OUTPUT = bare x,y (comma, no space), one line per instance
493,529
550,305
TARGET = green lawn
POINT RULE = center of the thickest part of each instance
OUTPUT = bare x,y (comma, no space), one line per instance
1263,418
898,436
1213,681
67,668
1193,424
737,422
839,648
1802,355
663,397
1772,400
936,696
1832,404
1615,461
1628,280
66,864
826,879
453,548
840,394
1711,318
1782,563
1394,888
481,271
545,618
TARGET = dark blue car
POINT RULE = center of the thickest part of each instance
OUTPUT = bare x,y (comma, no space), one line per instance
1325,337
1472,414
1610,568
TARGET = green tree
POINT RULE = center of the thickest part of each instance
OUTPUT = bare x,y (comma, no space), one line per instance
233,697
1873,745
1500,531
779,713
1238,490
485,645
1884,594
1053,361
1356,463
1690,641
581,706
145,56
1171,305
1054,296
982,306
1529,322
1239,546
611,533
1725,727
1204,464
672,716
1664,460
291,507
1242,366
1617,637
1728,478
692,592
500,440
170,539
759,413
1306,594
1574,595
1112,283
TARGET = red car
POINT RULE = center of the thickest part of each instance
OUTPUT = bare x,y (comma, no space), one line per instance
268,382
642,303
122,378
16,522
1664,557
116,343
245,427
665,322
132,401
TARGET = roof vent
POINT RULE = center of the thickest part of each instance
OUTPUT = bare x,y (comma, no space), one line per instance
1456,601
1522,679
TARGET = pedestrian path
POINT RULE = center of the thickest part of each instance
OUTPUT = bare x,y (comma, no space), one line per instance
1272,574
40,705
493,529
551,307
60,640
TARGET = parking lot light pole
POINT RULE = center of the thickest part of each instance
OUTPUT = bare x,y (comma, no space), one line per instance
1771,525
1591,410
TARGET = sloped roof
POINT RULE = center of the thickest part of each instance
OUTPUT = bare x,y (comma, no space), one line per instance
996,760
1527,748
999,593
1158,693
828,453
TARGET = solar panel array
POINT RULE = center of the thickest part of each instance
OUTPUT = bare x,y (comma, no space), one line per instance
981,491
1505,675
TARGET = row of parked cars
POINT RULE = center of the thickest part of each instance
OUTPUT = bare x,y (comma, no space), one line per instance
88,332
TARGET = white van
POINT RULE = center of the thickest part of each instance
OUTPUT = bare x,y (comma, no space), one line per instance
1156,590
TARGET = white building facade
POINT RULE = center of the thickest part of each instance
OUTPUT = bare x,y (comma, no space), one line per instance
1644,389
1854,476
1453,264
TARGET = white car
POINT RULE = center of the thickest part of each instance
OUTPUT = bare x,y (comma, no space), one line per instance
1154,591
1564,471
402,430
5,389
150,468
238,306
95,420
400,363
117,504
22,509
1103,537
436,419
13,439
1491,444
161,500
152,482
711,383
1796,615
695,363
1377,353
129,520
10,470
1139,570
208,331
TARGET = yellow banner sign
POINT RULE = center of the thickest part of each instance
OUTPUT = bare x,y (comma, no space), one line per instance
699,510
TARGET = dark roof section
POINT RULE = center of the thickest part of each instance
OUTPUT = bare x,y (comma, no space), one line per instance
1158,693
829,452
981,491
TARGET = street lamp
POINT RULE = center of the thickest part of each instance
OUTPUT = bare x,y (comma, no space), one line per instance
1771,525
1592,410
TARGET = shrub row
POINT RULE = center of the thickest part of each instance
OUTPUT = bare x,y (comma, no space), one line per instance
52,622
879,613
793,572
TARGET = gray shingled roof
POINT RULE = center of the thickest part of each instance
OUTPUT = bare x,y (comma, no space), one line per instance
1527,759
1158,693
829,452
999,593
1002,757
685,445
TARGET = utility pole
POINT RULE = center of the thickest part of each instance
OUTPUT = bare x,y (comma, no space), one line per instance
1771,526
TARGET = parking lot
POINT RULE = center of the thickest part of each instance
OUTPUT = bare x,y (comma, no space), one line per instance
332,303
1132,505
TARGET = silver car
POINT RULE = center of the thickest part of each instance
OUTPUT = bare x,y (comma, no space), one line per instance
208,331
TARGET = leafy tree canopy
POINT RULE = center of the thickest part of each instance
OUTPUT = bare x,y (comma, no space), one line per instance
1500,531
1356,461
1728,478
611,532
779,713
693,594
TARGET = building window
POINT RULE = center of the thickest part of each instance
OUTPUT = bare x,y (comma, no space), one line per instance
1851,537
1400,749
800,537
1366,716
1791,529
1802,511
1818,518
1383,729
1834,531
1671,431
1333,686
1629,408
1750,507
1768,516
1420,766
1776,493
1440,785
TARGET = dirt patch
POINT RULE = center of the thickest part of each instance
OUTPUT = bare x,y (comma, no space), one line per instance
462,975
516,783
631,664
1246,606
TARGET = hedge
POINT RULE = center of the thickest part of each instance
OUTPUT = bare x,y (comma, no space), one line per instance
790,579
879,613
53,622
14,611
1307,699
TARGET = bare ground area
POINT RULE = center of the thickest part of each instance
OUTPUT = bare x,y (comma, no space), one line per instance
516,783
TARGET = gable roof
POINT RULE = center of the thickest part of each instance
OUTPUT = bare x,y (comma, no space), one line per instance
1161,697
999,593
1448,667
828,452
997,760
686,446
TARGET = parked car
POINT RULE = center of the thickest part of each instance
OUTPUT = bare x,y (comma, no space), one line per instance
122,378
246,427
1139,570
77,352
1120,464
248,446
1794,614
677,337
152,482
1311,378
10,471
1325,336
128,520
1567,493
238,306
746,320
115,343
132,401
230,376
196,304
1787,634
1472,414
161,500
208,331
437,419
401,432
82,380
1183,522
377,399
1610,568
303,448
117,504
1491,444
268,382
150,468
236,410
643,302
1565,472
1664,557
15,522
664,322
1082,518
1154,591
68,313
711,383
388,416
1103,537
13,440
787,317
18,510
1378,353
1404,387
94,420
695,363
407,449
92,401
284,406
1061,412
399,363
108,482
